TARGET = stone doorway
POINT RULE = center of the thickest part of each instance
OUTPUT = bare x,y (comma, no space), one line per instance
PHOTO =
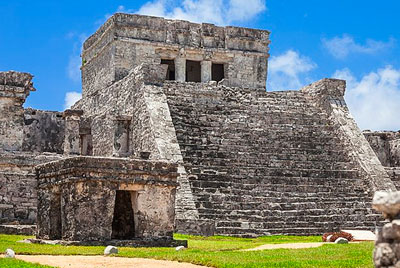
170,70
217,72
193,71
123,225
55,216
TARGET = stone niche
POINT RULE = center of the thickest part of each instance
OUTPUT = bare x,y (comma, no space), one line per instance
94,200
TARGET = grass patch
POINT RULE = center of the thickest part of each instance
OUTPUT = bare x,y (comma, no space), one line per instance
12,263
223,252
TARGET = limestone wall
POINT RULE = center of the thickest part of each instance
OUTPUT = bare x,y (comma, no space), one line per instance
14,89
267,162
126,41
386,145
18,195
394,175
328,94
43,131
24,135
79,204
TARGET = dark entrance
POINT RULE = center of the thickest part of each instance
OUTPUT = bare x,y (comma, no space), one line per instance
55,216
193,71
217,72
170,70
123,226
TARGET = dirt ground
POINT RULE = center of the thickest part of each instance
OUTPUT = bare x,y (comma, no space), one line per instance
289,245
102,262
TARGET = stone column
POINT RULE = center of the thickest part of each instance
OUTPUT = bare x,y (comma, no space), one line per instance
121,135
206,74
72,143
180,69
14,89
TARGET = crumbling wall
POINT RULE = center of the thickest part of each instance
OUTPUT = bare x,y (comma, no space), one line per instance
15,87
264,162
386,145
24,134
43,131
88,192
128,40
18,195
329,95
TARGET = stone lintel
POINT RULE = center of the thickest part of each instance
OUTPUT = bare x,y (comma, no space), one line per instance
124,171
70,112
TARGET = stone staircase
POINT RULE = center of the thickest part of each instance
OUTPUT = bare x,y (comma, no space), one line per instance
265,162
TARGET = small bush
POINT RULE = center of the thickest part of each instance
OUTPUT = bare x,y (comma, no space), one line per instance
336,235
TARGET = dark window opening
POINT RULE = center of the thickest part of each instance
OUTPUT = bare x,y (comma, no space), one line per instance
86,144
55,217
170,70
193,71
121,138
123,225
217,72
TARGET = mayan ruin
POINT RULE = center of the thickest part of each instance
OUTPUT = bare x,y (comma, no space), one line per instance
177,131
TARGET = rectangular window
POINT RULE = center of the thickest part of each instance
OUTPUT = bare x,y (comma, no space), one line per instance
170,70
217,72
193,71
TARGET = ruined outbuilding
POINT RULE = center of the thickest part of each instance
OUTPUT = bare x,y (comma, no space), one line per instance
91,199
191,96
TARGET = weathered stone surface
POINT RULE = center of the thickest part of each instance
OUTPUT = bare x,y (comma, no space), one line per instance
387,244
384,255
386,145
388,203
78,199
110,250
128,40
18,229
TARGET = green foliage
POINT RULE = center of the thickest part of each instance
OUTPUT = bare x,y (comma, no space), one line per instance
224,252
12,263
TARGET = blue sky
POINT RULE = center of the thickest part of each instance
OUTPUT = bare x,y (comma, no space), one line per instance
357,40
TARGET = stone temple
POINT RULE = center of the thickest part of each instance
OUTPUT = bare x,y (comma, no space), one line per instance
176,131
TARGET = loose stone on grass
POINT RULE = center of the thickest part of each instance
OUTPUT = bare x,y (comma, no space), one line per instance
341,240
110,250
10,254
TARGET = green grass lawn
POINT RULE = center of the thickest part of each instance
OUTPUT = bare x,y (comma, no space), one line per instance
219,251
11,263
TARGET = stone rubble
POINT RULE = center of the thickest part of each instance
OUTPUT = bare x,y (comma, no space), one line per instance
387,244
9,254
110,250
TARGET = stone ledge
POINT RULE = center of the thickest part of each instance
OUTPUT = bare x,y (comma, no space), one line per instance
18,229
118,243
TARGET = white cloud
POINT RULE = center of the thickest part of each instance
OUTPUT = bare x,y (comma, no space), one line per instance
374,100
341,47
70,99
73,68
287,71
220,12
74,62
